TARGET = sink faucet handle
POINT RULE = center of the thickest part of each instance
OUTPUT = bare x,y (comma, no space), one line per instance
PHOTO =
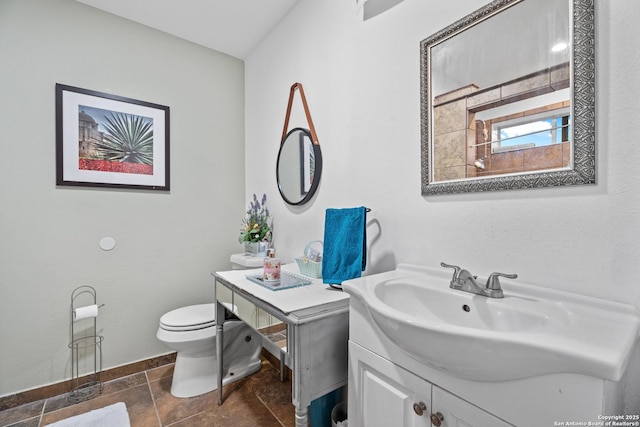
494,283
456,270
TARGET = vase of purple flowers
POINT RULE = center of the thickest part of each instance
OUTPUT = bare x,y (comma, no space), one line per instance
256,228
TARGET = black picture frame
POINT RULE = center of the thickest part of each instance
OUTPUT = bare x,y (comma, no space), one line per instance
110,141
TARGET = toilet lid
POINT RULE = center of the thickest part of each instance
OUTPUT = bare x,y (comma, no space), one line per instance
191,317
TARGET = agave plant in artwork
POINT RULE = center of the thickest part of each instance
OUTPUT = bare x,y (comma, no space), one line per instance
129,138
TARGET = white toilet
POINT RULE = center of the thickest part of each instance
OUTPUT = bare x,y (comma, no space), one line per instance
191,331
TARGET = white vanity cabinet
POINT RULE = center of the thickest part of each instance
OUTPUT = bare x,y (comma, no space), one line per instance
385,381
383,394
456,412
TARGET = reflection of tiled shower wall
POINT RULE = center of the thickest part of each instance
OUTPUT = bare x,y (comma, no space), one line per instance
529,159
453,132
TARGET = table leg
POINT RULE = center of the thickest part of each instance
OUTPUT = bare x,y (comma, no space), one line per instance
282,366
220,314
302,417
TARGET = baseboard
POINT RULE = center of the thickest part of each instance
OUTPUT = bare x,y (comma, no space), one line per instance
51,390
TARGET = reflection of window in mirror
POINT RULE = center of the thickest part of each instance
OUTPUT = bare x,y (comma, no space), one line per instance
522,140
537,130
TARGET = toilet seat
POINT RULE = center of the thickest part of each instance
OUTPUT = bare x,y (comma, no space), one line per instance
189,318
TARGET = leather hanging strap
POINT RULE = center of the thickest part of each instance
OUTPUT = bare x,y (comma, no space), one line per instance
312,129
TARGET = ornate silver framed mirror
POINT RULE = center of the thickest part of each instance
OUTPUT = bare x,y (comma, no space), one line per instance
508,98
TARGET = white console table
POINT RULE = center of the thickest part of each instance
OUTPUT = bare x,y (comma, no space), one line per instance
317,328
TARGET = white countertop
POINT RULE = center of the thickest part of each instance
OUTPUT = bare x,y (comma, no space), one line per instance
286,300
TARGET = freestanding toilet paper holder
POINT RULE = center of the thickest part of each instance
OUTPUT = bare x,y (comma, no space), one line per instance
85,345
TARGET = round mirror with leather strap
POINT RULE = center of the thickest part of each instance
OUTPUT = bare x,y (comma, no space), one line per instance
299,164
298,167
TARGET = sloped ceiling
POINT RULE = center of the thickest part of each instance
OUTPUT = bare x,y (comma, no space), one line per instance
234,27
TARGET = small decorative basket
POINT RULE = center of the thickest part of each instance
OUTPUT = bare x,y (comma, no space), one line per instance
310,264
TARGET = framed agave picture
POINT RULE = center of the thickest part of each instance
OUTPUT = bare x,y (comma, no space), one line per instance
105,140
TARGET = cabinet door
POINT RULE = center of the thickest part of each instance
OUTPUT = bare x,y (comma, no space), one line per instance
456,412
386,393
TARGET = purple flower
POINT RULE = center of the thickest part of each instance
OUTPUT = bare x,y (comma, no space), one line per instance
256,225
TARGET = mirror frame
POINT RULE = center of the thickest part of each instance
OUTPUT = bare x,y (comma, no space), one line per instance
583,108
317,171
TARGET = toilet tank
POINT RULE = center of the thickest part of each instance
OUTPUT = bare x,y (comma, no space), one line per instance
245,262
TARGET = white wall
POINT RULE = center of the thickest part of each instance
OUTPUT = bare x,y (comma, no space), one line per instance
362,83
167,243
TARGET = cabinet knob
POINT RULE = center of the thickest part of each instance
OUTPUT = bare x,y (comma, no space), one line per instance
436,419
419,408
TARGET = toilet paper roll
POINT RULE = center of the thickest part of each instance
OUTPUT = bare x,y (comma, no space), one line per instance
85,312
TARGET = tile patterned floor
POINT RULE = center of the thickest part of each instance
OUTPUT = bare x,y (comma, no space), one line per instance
259,400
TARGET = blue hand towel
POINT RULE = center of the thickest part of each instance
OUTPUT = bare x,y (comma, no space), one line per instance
344,254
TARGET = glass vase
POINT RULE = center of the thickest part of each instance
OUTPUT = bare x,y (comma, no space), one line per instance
257,249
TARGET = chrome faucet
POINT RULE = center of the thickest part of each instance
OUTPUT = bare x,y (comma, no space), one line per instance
464,281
